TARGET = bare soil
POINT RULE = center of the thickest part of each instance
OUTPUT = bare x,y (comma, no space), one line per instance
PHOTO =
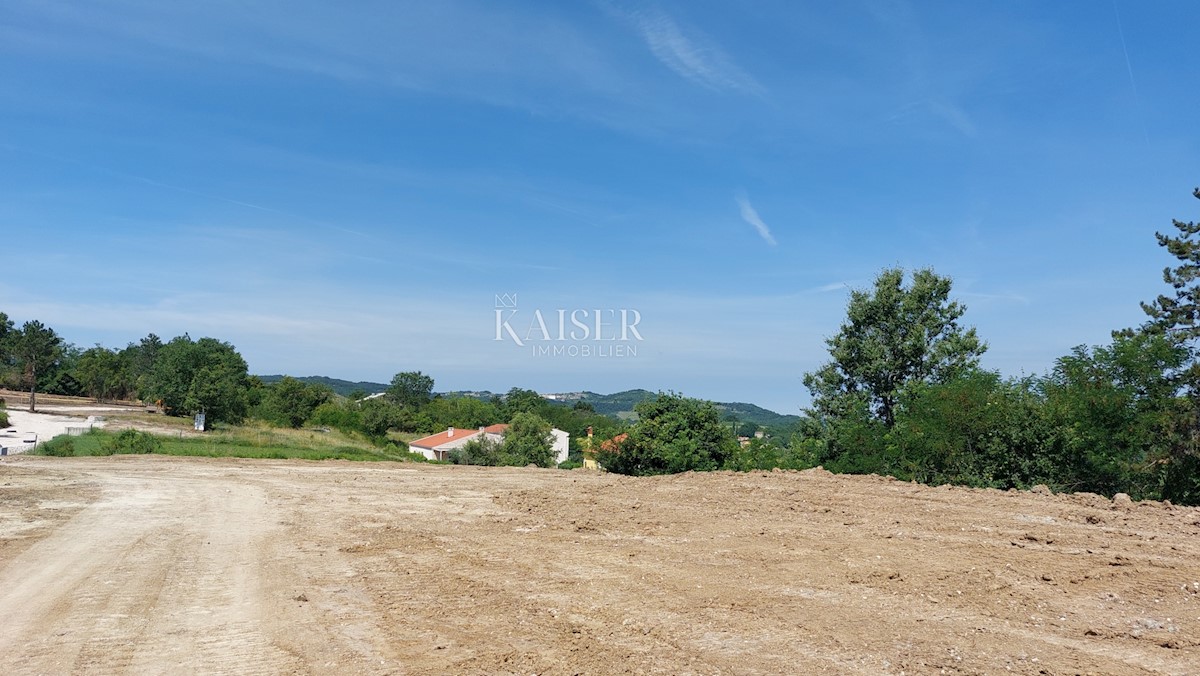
141,564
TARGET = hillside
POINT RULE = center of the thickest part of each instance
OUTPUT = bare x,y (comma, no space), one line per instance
618,404
342,387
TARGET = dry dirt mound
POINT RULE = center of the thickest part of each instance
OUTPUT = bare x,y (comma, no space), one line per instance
156,565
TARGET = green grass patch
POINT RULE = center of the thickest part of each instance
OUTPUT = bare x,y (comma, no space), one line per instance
234,443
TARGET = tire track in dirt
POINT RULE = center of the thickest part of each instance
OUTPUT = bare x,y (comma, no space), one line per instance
219,566
160,574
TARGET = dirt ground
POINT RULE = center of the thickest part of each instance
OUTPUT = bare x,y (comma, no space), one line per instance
142,564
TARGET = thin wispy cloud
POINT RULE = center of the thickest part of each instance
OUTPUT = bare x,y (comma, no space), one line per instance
691,55
1129,67
751,216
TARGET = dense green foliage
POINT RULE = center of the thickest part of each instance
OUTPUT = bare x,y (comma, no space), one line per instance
131,441
893,337
205,375
411,389
912,402
61,447
528,441
104,374
673,434
36,349
290,402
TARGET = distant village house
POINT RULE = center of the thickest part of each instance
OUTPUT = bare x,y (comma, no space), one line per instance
438,446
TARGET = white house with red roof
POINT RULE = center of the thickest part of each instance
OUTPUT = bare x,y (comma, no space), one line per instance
438,446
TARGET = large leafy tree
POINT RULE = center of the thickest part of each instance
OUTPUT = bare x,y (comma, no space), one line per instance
140,358
411,389
528,441
894,335
673,434
461,412
291,402
1113,408
36,348
104,374
205,375
519,400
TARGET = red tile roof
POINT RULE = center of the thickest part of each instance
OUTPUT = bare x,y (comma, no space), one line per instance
614,444
435,440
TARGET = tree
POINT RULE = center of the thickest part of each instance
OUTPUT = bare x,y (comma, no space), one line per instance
104,374
1178,316
1114,409
893,336
378,416
140,358
291,402
673,434
520,400
975,429
411,389
59,377
1181,313
528,441
461,413
483,451
206,375
7,333
36,347
7,336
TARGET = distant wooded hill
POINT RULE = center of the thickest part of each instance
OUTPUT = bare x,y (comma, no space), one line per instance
619,404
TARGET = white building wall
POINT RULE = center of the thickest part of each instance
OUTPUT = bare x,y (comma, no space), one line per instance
562,445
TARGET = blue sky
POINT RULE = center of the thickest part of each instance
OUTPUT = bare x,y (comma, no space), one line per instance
344,188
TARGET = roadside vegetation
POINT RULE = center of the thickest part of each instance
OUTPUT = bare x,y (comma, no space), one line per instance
903,394
232,443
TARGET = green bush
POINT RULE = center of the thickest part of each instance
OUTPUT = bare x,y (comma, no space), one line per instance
3,415
131,441
340,416
60,446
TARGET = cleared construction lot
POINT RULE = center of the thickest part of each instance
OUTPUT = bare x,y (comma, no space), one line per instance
144,564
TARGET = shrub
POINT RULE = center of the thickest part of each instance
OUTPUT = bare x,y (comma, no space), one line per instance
485,451
60,446
131,441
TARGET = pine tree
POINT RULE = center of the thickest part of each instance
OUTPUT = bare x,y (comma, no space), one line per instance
1180,314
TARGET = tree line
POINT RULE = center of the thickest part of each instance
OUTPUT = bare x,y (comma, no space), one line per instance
902,394
184,377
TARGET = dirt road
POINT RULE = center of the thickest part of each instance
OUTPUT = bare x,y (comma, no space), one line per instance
137,564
